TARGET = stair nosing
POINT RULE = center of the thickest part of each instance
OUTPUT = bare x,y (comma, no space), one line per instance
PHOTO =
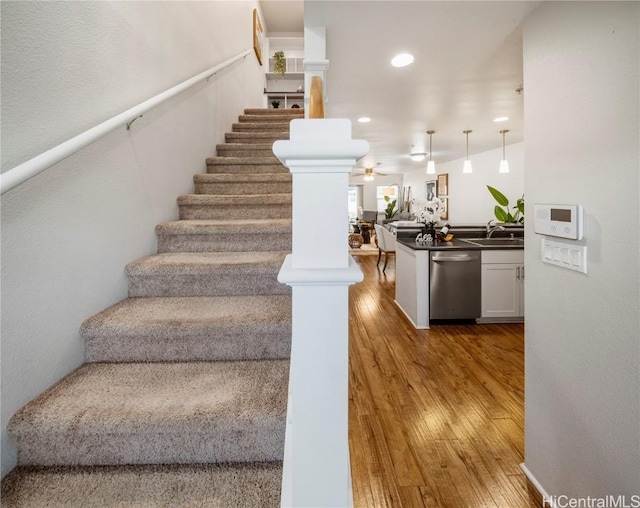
203,263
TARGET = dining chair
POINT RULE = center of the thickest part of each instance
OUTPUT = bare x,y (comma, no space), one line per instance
386,244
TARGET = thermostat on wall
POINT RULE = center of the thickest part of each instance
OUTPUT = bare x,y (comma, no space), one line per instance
564,221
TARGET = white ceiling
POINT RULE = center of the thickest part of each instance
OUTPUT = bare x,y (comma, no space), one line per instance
283,16
468,64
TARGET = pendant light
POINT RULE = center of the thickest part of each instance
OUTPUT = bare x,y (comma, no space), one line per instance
504,163
431,166
467,163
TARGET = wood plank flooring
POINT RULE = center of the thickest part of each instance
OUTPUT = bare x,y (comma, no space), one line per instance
436,416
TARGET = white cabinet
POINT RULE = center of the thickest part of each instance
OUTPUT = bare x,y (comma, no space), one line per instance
502,285
287,100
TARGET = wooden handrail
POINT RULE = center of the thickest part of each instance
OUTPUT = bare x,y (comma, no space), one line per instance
316,98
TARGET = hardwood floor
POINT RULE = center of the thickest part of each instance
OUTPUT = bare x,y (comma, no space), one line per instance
436,416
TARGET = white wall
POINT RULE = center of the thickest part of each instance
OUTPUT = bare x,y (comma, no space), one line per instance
469,200
582,331
68,233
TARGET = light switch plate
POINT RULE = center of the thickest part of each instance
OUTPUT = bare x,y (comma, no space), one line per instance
566,255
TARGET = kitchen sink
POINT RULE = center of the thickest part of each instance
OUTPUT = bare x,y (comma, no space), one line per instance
495,242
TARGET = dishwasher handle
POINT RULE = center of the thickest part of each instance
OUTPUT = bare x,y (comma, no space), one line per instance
459,258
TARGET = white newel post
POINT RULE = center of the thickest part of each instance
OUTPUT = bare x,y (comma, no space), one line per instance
320,155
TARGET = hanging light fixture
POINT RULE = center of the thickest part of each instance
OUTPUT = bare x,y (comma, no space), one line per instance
431,166
504,163
368,174
467,163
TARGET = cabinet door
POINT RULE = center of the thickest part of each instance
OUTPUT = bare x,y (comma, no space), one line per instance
501,290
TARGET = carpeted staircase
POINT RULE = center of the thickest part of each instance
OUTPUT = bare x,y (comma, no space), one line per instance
182,401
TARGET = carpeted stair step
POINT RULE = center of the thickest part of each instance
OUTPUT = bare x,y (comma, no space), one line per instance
225,184
176,485
255,137
157,413
267,118
245,165
182,401
260,126
244,150
247,206
224,236
205,328
207,274
297,112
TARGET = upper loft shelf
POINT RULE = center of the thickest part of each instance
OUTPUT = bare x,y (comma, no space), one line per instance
287,75
293,66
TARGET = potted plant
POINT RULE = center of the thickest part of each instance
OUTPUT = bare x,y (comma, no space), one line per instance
279,63
503,214
429,213
388,211
275,104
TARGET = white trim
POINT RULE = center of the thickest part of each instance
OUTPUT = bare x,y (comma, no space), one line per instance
286,499
322,276
21,173
545,495
417,327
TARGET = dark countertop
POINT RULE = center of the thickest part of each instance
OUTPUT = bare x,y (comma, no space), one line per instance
455,244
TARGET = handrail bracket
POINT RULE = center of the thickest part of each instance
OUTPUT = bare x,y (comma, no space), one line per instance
131,121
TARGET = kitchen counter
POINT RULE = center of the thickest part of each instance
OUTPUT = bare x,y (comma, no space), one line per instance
455,244
412,272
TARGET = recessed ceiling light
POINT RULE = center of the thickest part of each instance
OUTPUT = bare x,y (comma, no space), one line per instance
402,60
501,119
364,119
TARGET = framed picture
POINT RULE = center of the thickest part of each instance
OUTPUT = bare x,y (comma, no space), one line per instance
443,184
444,206
431,193
257,35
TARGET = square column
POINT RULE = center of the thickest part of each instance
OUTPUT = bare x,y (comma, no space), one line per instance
320,155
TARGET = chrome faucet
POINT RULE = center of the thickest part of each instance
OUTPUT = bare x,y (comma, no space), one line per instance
488,226
491,229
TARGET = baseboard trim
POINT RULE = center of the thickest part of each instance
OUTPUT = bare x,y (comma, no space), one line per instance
541,495
497,320
404,312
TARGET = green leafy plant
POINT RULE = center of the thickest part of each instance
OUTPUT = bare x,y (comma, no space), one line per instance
275,104
502,212
279,62
388,211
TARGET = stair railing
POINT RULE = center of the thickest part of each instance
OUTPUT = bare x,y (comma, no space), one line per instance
320,155
23,172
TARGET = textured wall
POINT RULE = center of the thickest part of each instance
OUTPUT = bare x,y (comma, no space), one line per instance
68,233
469,199
582,331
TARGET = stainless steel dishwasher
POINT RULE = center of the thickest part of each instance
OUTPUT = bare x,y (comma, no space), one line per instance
455,284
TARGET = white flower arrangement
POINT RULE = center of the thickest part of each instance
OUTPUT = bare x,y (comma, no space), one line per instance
428,212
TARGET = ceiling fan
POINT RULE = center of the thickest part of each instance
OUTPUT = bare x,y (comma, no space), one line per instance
368,173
